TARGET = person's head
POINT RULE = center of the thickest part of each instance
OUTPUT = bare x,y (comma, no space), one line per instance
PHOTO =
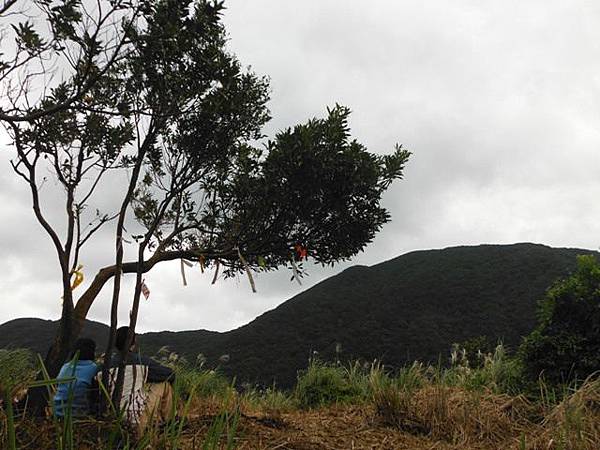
122,338
85,349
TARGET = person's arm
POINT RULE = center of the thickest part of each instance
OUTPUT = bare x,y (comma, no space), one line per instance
157,373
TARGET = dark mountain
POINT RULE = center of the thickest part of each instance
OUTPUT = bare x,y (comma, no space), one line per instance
411,307
38,334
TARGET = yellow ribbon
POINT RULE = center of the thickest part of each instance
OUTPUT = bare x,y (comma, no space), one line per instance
78,277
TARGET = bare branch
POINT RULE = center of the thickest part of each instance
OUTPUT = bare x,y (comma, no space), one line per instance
6,6
102,221
31,166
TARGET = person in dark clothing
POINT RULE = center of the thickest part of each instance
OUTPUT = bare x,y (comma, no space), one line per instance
157,373
147,391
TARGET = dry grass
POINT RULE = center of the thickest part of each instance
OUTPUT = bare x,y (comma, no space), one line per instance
339,427
457,416
473,419
574,424
437,417
409,411
442,418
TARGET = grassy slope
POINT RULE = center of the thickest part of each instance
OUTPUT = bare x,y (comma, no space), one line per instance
363,408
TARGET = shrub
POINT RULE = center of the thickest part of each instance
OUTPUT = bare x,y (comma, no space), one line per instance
324,384
495,372
194,377
499,373
565,345
475,349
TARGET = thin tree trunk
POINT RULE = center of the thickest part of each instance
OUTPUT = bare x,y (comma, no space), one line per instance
118,392
119,260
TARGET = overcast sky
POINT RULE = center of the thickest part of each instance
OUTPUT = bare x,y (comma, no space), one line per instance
499,101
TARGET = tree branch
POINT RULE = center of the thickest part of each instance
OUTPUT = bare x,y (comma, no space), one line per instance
35,195
87,298
7,5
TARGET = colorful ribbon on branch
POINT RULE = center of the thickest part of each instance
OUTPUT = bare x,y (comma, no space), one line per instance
301,252
145,290
78,277
247,269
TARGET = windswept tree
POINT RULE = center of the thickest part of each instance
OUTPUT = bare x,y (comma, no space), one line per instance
177,111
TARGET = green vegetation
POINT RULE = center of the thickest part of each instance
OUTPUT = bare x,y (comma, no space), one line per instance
15,365
324,384
461,404
205,383
565,345
494,371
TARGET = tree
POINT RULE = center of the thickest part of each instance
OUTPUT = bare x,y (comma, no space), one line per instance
565,345
57,75
177,112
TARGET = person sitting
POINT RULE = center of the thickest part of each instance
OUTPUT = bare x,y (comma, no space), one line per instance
147,392
77,397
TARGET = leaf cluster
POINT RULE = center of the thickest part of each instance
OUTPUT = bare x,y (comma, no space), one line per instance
316,187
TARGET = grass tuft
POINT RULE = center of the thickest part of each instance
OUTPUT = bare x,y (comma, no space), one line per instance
325,384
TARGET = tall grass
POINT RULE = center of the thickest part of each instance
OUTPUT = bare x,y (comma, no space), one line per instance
224,425
270,401
392,396
574,423
460,404
324,384
15,375
11,363
497,372
202,383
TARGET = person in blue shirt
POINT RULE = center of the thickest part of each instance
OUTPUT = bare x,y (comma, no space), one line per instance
79,394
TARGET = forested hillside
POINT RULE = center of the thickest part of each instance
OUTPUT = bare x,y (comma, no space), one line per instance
410,308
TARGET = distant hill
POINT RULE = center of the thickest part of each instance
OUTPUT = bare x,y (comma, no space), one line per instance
411,307
38,334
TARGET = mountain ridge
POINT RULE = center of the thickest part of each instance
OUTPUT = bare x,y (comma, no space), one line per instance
413,306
